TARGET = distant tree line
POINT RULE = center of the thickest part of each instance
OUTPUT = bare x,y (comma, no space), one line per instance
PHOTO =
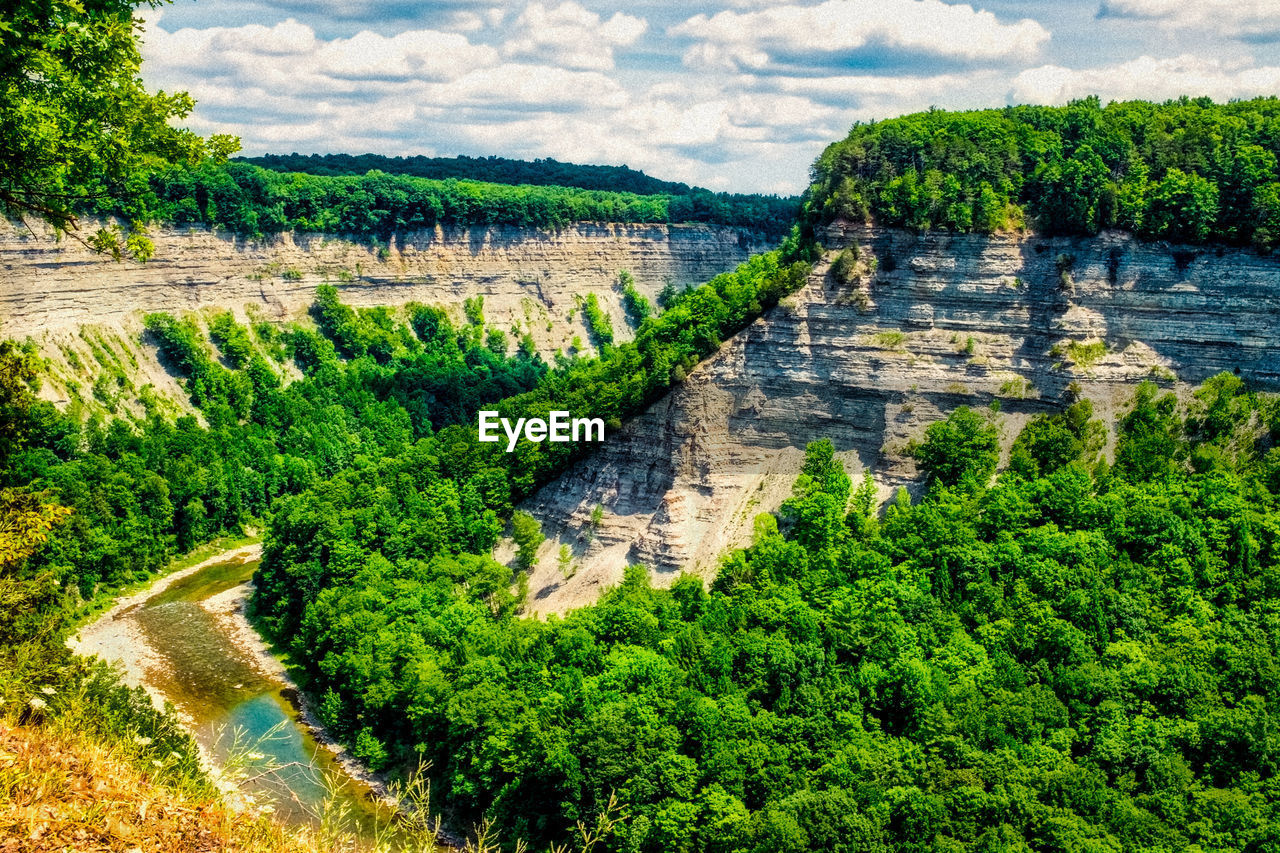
255,202
494,170
1188,170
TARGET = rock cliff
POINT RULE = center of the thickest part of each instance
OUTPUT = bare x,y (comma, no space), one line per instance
81,308
910,327
915,326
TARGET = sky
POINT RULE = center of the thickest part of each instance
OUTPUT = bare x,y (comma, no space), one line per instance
735,95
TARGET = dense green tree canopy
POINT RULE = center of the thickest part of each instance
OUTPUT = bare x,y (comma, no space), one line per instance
1186,170
1071,657
494,170
253,201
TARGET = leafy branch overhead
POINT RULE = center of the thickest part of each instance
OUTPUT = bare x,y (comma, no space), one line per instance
76,123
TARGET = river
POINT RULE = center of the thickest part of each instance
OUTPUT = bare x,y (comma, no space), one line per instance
179,639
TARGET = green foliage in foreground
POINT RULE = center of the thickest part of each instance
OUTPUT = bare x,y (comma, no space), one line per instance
75,121
1188,170
254,202
1074,657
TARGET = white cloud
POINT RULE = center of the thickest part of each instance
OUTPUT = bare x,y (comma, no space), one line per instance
1231,18
1146,78
572,36
291,51
530,86
879,93
753,40
415,54
557,78
282,87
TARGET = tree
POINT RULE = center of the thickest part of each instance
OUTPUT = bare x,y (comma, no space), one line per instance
25,522
637,307
527,532
1147,443
17,370
1183,207
76,124
1070,193
25,519
963,448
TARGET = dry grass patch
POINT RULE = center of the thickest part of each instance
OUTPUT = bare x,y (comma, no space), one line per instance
61,792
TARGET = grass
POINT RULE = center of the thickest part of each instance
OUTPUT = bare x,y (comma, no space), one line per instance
66,787
1080,354
1017,388
892,340
61,789
1084,355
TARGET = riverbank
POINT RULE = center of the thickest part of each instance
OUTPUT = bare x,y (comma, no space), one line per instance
230,608
121,642
187,641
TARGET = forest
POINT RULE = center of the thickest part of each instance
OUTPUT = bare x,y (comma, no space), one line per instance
254,202
1076,651
1189,170
1074,655
493,170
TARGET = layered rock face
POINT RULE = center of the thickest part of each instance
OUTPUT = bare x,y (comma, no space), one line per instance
52,290
912,327
916,326
55,285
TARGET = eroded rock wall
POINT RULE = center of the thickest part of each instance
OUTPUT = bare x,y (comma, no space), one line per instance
73,302
925,323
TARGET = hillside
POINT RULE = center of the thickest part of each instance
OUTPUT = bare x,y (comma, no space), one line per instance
85,311
61,792
1188,170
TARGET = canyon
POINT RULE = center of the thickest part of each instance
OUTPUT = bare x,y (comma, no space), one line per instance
921,324
892,331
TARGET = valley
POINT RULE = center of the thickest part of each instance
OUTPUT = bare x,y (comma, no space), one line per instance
935,509
85,311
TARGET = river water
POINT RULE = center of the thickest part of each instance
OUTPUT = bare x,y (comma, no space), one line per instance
242,719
